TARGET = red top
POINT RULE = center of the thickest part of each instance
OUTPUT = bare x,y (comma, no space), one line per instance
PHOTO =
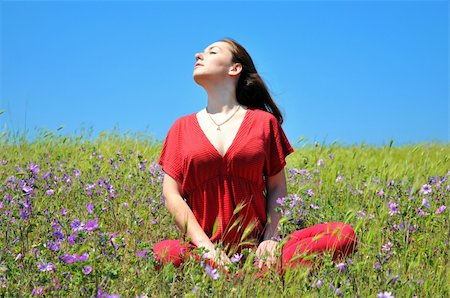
226,193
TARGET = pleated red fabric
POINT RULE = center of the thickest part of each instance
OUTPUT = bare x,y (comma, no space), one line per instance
226,193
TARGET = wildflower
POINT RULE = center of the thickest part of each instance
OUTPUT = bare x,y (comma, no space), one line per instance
54,246
426,203
421,212
440,209
393,208
337,291
71,239
377,265
77,225
387,247
320,163
339,179
426,189
317,284
26,188
141,254
87,270
310,192
385,295
380,193
91,225
64,212
34,168
236,257
76,173
341,267
212,272
90,208
312,206
49,192
38,291
46,267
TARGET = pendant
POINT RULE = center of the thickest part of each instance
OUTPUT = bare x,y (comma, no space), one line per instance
218,128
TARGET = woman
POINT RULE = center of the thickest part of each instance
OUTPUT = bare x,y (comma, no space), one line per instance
224,170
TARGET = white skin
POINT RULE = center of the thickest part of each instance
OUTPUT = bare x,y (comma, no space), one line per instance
218,75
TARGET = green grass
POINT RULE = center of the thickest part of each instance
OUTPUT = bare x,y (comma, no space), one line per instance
118,176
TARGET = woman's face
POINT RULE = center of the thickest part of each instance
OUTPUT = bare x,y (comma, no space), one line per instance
214,63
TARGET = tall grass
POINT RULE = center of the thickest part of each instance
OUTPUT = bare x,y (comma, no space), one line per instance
80,217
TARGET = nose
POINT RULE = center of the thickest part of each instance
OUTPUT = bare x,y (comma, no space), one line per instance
198,56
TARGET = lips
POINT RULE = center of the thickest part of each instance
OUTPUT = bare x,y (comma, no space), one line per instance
198,64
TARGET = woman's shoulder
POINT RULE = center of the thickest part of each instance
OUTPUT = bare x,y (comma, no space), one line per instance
184,120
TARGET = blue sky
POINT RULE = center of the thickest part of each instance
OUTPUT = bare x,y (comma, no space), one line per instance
349,72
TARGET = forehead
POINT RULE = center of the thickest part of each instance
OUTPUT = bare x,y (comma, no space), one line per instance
220,45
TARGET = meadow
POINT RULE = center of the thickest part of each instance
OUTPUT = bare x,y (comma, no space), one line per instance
79,217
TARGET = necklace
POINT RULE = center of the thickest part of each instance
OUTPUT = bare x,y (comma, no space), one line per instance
229,118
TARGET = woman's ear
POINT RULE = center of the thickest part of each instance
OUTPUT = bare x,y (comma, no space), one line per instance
235,69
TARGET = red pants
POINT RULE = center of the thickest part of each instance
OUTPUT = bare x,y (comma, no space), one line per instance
302,245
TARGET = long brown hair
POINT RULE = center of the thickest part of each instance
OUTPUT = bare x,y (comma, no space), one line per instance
251,91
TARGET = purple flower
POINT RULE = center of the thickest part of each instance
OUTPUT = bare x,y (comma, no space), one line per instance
380,193
90,207
26,188
64,212
54,246
71,239
69,259
320,163
421,212
83,257
337,291
339,179
341,267
76,173
387,247
312,206
426,189
317,284
91,225
87,270
385,295
141,254
212,272
310,192
34,168
46,266
49,192
236,257
426,203
377,265
393,208
77,225
38,291
440,209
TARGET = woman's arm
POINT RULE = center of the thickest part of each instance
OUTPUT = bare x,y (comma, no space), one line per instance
185,219
276,188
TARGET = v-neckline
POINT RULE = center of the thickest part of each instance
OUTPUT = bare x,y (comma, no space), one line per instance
232,142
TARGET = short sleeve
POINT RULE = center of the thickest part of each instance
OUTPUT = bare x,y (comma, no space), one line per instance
277,148
171,159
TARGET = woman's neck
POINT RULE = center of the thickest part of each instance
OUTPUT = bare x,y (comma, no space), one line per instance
221,100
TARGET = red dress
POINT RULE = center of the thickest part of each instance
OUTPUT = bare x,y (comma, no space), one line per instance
226,193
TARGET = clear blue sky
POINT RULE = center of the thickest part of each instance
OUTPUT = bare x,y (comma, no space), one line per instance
347,71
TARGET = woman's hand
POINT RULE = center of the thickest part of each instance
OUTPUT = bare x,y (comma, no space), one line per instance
266,253
218,256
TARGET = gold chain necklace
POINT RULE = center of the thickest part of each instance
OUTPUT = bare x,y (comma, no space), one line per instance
218,125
